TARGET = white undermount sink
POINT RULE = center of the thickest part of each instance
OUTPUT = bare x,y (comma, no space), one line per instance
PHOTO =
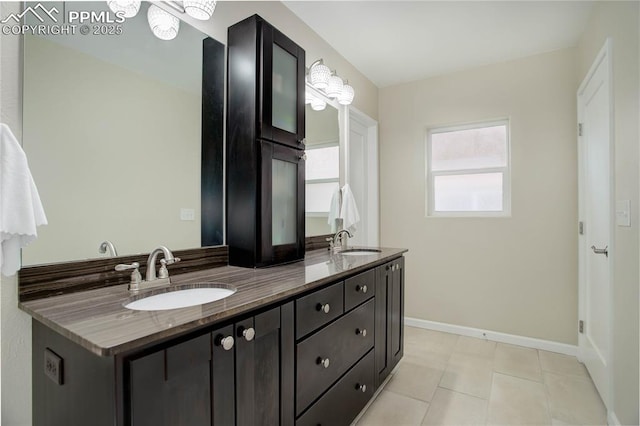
180,298
359,252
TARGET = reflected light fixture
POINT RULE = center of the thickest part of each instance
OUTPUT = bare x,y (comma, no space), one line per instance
319,75
318,104
346,95
129,7
164,25
199,9
335,86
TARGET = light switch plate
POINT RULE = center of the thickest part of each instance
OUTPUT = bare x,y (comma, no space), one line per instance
53,366
623,213
187,214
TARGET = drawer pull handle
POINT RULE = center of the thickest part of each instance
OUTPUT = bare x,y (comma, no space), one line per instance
247,333
361,388
323,307
324,362
362,332
225,342
362,289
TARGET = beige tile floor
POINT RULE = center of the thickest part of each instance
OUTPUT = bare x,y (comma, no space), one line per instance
446,379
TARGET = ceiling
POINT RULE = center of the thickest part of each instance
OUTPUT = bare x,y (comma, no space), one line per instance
392,42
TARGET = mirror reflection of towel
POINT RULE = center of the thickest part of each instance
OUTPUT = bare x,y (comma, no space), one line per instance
21,211
334,210
349,210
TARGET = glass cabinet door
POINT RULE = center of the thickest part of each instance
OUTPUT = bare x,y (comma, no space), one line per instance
284,192
283,92
283,200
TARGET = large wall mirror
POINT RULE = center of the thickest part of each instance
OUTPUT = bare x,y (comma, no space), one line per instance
112,130
322,166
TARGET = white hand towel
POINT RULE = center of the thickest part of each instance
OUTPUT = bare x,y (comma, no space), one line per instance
21,211
334,210
349,211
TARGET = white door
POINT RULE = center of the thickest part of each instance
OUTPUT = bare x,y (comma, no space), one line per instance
362,175
595,189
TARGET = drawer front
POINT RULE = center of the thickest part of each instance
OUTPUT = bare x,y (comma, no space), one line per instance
359,288
342,403
328,354
318,308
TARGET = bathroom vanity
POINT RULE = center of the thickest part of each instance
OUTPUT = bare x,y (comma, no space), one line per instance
305,343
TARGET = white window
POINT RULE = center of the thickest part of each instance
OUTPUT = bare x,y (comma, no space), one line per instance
322,170
468,170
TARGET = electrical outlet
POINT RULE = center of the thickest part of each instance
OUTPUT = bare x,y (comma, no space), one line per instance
53,366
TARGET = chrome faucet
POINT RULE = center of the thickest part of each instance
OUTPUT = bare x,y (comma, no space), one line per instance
163,274
108,245
151,279
341,239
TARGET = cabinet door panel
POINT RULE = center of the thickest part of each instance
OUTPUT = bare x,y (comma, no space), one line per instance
223,382
381,345
173,386
397,312
258,369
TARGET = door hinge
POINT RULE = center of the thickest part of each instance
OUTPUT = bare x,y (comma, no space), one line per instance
581,326
581,228
579,129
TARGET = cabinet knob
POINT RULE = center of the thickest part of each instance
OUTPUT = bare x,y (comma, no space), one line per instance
362,288
361,388
323,307
324,362
247,333
225,342
362,332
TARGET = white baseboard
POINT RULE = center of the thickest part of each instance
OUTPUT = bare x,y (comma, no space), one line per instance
529,342
612,419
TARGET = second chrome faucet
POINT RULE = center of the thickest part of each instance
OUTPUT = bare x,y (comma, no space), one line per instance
151,278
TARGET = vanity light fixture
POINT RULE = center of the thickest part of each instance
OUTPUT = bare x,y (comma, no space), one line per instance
308,97
328,83
319,74
199,9
335,86
164,25
346,95
129,7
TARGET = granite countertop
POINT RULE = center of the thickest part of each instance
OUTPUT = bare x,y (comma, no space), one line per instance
98,321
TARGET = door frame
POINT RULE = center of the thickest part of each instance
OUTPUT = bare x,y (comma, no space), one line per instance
371,209
605,54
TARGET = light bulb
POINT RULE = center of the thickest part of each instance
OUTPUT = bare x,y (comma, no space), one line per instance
346,95
319,75
164,25
335,86
129,7
199,9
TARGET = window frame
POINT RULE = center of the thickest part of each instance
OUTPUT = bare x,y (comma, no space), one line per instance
322,145
430,174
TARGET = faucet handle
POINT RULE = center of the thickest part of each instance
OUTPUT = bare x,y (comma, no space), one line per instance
136,278
164,272
124,267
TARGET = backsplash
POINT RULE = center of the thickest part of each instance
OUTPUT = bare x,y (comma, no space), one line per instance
36,282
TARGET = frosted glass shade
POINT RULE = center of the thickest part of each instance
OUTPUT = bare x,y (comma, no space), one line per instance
346,95
129,7
164,25
318,104
199,9
319,75
335,86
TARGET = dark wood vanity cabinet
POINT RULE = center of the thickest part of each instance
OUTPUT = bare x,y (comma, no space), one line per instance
265,145
316,358
238,374
389,318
